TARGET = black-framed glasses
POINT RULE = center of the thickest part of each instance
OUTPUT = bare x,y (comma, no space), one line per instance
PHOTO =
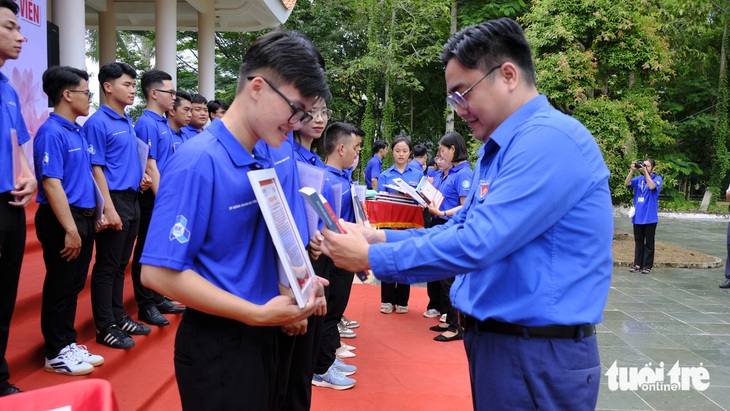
455,98
88,93
298,114
170,92
326,113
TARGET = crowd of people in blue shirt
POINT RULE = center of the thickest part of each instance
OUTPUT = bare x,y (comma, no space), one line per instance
499,253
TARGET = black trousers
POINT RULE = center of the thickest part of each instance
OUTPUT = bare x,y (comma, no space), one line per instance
644,235
12,247
146,297
338,294
113,249
395,293
222,364
433,288
452,314
297,357
64,279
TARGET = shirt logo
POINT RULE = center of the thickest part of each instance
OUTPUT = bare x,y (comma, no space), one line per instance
465,185
45,158
179,230
484,184
91,149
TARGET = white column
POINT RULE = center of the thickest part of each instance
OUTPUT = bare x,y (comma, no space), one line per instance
206,52
107,35
166,37
69,16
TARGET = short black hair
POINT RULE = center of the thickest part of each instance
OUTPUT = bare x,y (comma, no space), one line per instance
199,99
152,79
9,4
179,96
489,44
60,78
404,139
335,134
420,150
284,56
454,139
214,105
113,71
379,145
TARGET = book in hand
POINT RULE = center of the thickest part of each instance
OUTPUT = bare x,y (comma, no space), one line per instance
411,191
430,192
325,212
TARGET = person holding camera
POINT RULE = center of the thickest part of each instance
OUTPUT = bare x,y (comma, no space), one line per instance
646,203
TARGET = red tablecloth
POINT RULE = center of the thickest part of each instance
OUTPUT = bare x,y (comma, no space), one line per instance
85,395
397,216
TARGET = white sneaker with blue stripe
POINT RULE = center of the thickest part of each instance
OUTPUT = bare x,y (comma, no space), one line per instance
67,362
334,379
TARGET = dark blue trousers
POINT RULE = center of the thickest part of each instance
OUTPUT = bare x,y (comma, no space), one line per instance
515,373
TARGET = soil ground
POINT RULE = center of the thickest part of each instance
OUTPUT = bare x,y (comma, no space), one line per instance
666,254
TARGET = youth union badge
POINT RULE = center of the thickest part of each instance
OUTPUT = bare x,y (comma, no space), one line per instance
179,230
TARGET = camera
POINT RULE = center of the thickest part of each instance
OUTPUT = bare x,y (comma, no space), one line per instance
639,164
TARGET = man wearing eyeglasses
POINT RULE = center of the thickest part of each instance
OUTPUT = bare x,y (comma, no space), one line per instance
152,127
208,245
531,246
199,118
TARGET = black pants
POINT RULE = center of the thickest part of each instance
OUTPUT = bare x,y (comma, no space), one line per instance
297,357
12,247
64,279
395,293
338,294
222,364
146,298
113,249
644,245
452,314
433,288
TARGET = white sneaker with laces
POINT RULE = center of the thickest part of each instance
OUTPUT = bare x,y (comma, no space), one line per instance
67,362
347,347
349,323
334,379
386,308
343,352
345,332
84,355
431,313
401,309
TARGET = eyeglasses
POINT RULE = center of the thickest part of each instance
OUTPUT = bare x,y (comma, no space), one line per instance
298,114
170,92
456,99
326,113
88,93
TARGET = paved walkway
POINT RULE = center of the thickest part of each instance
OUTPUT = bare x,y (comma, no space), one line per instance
673,315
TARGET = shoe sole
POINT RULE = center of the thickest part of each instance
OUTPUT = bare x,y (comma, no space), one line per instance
75,373
431,315
348,336
346,354
95,364
325,384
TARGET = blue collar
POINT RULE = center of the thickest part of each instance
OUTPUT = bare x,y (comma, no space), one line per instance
504,134
113,114
235,150
155,116
65,123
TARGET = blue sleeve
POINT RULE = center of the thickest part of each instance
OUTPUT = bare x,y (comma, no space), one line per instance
658,181
20,128
50,149
96,137
523,201
463,183
147,132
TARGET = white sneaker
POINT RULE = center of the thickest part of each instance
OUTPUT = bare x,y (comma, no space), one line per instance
401,309
347,347
345,332
431,313
443,318
386,308
85,356
343,352
67,362
334,379
349,323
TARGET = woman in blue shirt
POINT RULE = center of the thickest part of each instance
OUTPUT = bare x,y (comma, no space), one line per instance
646,202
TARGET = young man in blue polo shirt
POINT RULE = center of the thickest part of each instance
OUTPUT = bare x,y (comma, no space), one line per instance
66,217
199,118
179,117
14,195
208,245
521,286
118,173
152,127
375,165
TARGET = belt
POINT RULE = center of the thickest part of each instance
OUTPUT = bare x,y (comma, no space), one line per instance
128,194
549,331
86,212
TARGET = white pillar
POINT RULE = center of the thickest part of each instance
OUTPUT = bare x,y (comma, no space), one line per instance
166,37
206,52
107,35
69,15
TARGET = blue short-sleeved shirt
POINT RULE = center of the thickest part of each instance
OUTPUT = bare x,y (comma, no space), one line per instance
410,175
334,177
206,217
10,117
430,172
60,151
417,165
178,137
532,243
152,128
372,170
646,200
113,145
438,178
454,186
190,132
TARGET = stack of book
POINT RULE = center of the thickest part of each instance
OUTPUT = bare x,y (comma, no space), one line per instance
396,198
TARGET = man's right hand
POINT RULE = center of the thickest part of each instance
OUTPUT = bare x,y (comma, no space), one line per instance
113,219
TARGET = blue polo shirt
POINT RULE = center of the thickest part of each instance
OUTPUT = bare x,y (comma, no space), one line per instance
60,151
206,217
113,145
430,172
309,157
190,132
334,177
372,170
532,244
153,129
646,200
454,186
438,178
10,117
410,175
178,137
417,165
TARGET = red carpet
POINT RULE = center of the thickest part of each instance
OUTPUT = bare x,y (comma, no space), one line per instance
400,366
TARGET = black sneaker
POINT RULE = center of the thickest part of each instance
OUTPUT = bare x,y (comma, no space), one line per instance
115,338
132,327
10,390
152,316
167,307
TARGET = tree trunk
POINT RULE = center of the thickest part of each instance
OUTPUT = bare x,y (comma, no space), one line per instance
452,31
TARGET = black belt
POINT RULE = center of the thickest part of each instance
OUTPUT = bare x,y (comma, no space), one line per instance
86,212
128,194
549,331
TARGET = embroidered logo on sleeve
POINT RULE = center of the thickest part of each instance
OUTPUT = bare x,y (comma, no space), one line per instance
45,158
91,149
179,231
465,184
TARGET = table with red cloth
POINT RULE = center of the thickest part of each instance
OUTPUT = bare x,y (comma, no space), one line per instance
383,214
